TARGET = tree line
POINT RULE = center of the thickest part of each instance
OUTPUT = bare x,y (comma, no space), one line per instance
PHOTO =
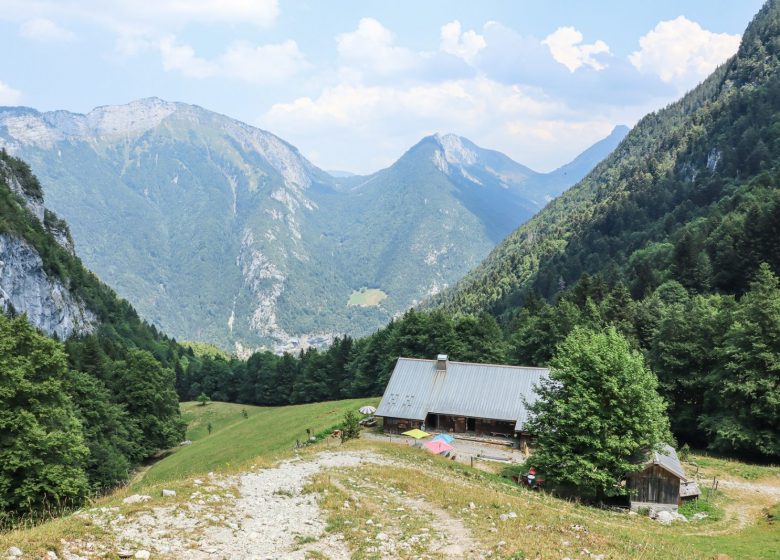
717,357
75,419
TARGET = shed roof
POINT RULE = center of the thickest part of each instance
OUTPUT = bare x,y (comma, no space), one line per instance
496,392
667,459
689,488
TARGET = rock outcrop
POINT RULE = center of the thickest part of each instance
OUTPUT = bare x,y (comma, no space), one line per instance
26,288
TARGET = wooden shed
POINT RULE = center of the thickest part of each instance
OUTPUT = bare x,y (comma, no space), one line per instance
657,486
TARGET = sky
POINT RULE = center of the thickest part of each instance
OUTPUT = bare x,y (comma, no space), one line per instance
355,83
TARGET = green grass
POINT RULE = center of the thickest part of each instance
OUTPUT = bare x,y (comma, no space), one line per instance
366,297
757,541
702,505
720,467
236,441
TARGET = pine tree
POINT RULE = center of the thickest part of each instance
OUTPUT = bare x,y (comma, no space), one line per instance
151,401
480,339
744,415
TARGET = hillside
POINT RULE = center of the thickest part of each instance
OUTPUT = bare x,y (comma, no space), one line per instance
693,181
41,275
673,240
78,415
220,232
374,499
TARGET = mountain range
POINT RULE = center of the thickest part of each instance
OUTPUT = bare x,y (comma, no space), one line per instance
218,231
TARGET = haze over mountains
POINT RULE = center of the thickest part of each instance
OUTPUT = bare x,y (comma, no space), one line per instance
218,231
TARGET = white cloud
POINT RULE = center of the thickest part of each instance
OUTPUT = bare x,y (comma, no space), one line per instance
42,29
260,64
371,48
566,47
680,51
139,25
463,44
348,125
9,95
182,58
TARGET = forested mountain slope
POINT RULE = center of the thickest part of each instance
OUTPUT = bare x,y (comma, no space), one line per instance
77,416
690,194
673,239
679,231
221,232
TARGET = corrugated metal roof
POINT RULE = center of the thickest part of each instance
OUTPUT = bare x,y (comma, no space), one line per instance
667,459
464,389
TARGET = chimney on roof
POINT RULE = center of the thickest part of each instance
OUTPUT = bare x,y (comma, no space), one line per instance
441,362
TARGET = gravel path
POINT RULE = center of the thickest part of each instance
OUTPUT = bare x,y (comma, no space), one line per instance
269,519
766,489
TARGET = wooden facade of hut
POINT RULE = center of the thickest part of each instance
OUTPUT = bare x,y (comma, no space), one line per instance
660,483
459,397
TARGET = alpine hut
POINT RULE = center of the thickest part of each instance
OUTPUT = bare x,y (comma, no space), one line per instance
485,399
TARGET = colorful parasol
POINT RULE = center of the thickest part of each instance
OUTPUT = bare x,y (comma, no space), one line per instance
416,434
438,446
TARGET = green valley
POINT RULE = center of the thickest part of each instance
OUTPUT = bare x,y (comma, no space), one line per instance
453,357
223,233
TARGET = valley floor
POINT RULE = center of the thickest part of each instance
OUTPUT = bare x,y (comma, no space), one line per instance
374,500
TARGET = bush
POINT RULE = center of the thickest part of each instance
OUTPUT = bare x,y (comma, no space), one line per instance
350,428
688,509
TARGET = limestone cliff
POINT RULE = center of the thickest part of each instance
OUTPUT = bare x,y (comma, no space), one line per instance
26,286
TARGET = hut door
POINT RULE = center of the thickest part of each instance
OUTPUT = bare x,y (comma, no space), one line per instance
471,425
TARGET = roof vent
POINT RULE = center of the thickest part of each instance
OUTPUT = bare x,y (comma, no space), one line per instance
441,362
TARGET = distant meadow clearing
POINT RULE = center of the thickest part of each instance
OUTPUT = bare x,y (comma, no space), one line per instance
366,297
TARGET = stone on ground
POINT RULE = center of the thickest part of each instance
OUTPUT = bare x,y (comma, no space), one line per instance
136,499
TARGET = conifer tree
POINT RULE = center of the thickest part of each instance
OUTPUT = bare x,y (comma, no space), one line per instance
744,411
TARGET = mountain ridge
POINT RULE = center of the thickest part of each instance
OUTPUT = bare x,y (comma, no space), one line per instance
230,235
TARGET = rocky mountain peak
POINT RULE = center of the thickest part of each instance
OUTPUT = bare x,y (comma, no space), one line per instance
134,117
457,150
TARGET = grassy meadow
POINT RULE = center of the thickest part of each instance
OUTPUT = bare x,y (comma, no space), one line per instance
267,433
742,523
366,297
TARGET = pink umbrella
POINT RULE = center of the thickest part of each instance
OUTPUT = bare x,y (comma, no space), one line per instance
438,446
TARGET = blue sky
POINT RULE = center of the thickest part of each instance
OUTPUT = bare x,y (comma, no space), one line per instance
354,84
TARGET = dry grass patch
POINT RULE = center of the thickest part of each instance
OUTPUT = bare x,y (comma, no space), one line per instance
547,527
